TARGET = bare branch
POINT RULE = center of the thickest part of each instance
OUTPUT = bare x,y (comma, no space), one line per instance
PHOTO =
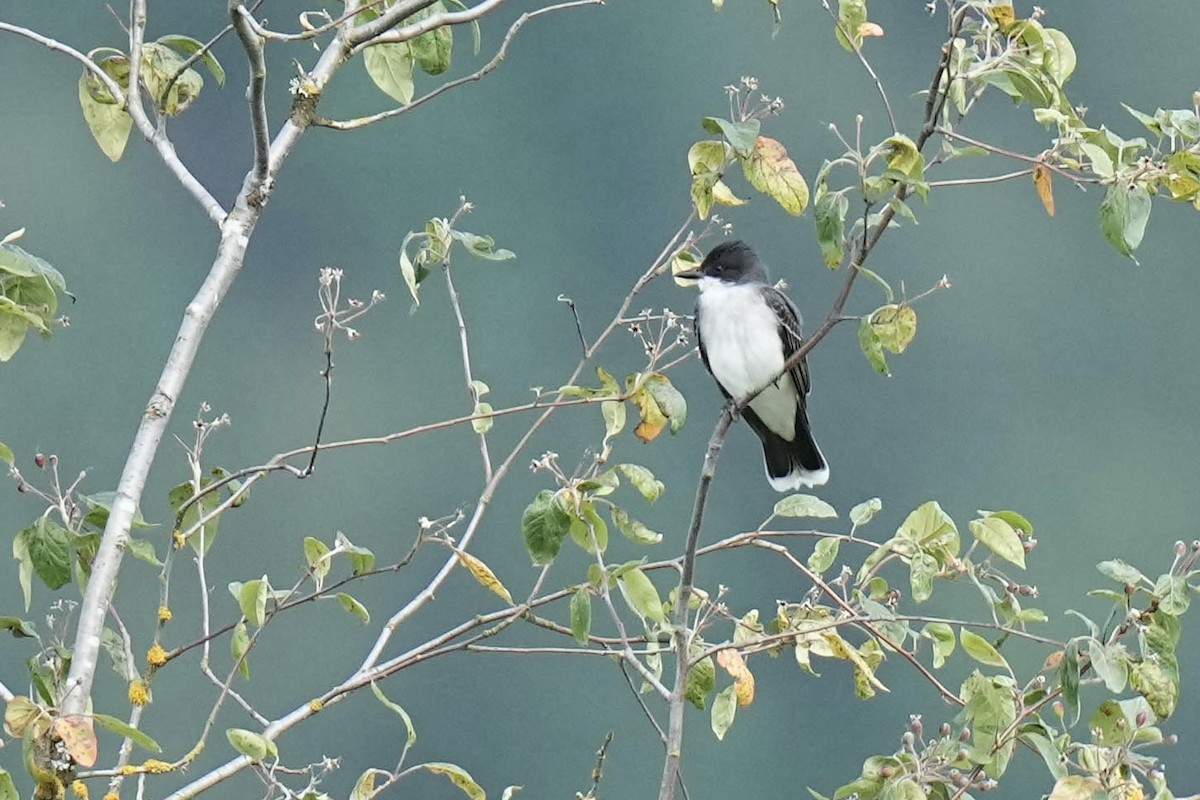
243,24
424,25
360,122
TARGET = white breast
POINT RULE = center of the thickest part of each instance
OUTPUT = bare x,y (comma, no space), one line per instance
741,340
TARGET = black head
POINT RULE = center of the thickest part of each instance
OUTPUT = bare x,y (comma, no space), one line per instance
730,262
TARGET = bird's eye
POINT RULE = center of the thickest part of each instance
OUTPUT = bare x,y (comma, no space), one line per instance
719,268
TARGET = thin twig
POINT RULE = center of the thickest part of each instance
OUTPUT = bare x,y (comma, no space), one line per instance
1038,160
359,122
1008,176
857,48
562,298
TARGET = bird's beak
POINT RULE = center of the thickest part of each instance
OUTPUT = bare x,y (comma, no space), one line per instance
688,277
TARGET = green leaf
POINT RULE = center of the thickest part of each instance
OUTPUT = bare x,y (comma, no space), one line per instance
740,135
432,48
871,347
669,400
631,528
804,505
990,710
126,732
413,272
484,423
588,530
316,553
769,170
706,160
1111,663
13,326
239,645
18,627
1059,61
851,15
362,560
700,681
159,65
251,744
724,709
862,513
1109,726
143,550
189,46
824,553
942,636
100,506
109,124
482,246
364,787
354,607
458,776
1001,538
581,614
252,599
641,596
1051,756
1121,572
390,66
643,480
613,412
49,547
1160,688
1172,594
544,525
6,454
923,568
203,538
981,649
8,789
1123,216
894,327
20,552
830,218
408,724
904,157
931,528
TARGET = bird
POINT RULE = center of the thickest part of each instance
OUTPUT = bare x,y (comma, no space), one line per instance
747,329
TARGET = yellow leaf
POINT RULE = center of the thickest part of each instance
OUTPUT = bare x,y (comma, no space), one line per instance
483,574
724,195
869,29
653,419
844,650
1041,182
684,261
19,712
1003,14
79,738
733,663
770,171
1075,787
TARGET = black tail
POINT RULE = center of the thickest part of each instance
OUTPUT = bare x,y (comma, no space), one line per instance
791,465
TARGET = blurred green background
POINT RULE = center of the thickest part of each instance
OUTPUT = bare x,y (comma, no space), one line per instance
1055,378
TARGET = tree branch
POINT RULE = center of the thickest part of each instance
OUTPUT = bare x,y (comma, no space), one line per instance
252,43
423,25
236,229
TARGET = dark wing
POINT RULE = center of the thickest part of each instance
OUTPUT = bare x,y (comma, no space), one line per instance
790,331
704,354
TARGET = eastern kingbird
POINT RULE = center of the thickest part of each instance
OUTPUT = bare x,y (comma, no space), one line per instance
747,330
